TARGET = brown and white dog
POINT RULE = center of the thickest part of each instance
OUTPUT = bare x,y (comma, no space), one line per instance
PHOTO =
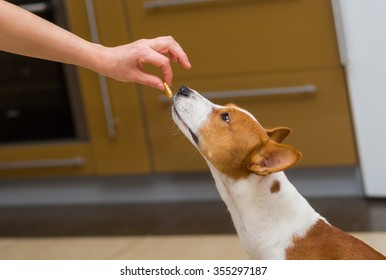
272,219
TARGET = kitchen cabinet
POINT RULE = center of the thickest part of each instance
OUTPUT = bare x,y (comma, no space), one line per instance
253,47
241,36
125,152
54,159
277,59
106,150
311,103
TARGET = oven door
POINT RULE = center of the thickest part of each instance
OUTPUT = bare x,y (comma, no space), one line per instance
39,100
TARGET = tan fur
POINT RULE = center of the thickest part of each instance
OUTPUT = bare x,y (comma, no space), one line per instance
278,134
325,242
229,145
273,157
243,146
275,188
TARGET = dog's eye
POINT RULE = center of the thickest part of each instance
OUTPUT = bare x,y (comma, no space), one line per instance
225,117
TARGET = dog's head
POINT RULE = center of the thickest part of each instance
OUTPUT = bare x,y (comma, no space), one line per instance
230,138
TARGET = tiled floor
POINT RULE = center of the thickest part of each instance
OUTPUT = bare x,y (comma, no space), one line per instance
184,247
201,230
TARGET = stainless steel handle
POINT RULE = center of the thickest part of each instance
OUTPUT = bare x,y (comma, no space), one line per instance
255,92
260,92
173,3
105,94
44,163
37,8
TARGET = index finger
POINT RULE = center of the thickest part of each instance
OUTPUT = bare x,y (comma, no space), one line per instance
167,44
162,62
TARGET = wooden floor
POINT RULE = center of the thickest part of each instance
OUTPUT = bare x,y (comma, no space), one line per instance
194,230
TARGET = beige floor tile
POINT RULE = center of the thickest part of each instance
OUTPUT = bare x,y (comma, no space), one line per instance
142,247
185,247
64,248
5,242
377,240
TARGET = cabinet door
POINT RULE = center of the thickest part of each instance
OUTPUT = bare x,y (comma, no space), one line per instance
57,159
241,36
118,140
314,104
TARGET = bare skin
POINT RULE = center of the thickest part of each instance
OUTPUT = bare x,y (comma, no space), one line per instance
24,33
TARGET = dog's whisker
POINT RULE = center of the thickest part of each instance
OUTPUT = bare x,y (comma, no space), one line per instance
189,160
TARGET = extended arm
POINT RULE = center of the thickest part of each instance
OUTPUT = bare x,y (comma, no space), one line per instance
24,33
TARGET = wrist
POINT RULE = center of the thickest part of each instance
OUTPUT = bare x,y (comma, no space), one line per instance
97,59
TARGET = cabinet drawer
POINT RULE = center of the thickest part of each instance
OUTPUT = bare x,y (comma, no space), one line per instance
46,159
318,114
242,36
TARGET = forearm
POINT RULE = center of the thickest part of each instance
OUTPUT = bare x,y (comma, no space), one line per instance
27,34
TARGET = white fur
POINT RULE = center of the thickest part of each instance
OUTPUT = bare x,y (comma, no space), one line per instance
266,222
197,105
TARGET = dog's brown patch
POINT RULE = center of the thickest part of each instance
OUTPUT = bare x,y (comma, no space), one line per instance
275,188
227,143
325,242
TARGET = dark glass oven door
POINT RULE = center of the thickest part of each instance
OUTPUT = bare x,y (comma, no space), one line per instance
36,97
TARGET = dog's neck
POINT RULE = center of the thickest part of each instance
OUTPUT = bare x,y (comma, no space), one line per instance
267,212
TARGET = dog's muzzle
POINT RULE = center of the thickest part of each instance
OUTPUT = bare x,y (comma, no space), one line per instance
184,92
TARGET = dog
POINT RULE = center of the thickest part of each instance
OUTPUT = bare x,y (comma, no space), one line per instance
272,219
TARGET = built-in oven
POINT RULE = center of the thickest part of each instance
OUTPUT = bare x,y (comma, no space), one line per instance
39,100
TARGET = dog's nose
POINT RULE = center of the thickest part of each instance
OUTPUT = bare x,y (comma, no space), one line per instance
184,90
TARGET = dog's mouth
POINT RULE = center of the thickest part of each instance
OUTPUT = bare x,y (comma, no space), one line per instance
194,136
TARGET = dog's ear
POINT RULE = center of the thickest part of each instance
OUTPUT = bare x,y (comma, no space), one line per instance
273,157
231,105
278,134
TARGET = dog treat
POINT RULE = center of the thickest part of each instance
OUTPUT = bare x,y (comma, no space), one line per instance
167,90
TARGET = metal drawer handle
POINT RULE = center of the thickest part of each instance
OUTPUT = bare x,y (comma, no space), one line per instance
255,92
110,122
44,163
260,92
37,8
173,3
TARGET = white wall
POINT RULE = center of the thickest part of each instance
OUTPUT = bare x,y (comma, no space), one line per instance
361,28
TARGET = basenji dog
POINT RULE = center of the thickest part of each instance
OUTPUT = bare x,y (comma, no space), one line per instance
272,219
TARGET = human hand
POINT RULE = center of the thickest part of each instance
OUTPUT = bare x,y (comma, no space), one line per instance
45,40
125,63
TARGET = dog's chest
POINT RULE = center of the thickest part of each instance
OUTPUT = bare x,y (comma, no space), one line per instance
260,237
266,220
264,233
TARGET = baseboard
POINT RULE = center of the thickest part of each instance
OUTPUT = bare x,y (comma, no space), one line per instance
311,182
